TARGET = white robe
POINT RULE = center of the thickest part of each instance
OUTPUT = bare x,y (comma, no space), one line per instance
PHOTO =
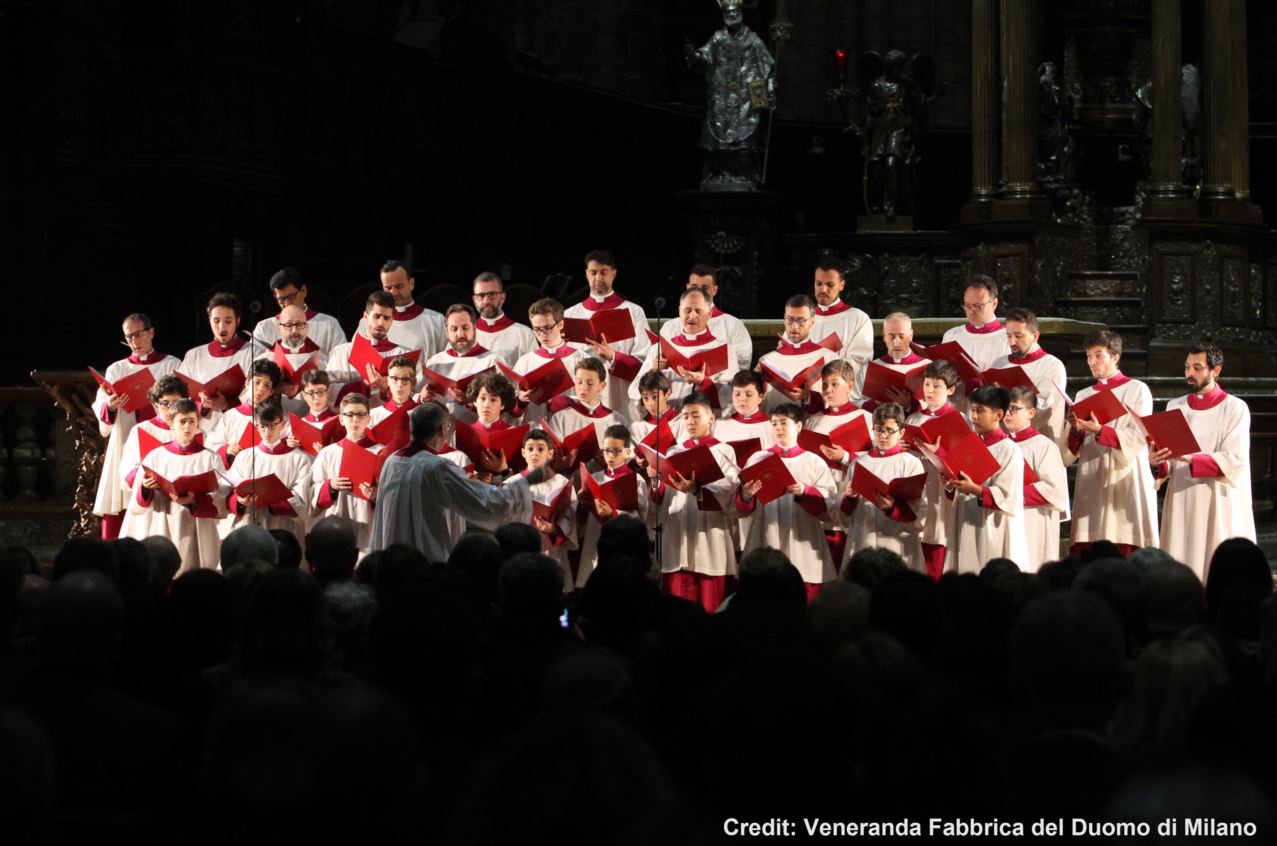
1052,414
566,352
624,368
211,360
556,548
1114,497
696,540
1042,522
721,325
196,538
420,493
790,360
323,329
326,466
504,338
870,526
293,469
786,525
415,328
456,367
825,422
905,365
1199,512
679,387
984,347
734,427
571,416
640,429
935,520
978,534
854,329
343,379
593,528
110,494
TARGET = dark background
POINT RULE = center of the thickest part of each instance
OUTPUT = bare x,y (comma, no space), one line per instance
154,153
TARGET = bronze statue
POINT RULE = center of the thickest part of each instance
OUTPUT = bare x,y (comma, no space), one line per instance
1190,98
740,87
1055,142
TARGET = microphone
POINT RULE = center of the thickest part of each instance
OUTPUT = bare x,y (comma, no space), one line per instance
659,303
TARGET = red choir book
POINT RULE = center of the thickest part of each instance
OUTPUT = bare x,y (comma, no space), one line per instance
614,324
1030,477
944,430
392,432
584,440
544,383
661,437
783,381
362,354
136,385
620,493
201,483
712,360
1103,404
361,465
441,384
473,439
744,449
775,477
968,455
952,352
698,460
268,490
250,437
553,510
292,374
229,383
1168,430
329,432
866,483
879,378
831,342
1008,377
147,442
852,436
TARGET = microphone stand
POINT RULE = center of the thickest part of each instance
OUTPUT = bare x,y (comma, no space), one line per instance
659,305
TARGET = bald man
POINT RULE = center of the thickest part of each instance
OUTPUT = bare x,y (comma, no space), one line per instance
288,287
294,352
897,335
721,324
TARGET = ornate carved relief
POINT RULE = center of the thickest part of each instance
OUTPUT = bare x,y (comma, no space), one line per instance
1235,291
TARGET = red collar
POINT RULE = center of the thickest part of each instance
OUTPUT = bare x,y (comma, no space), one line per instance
1115,381
392,406
623,470
150,358
408,312
666,415
328,414
216,350
160,423
190,449
414,449
612,300
682,340
895,450
1201,402
993,437
807,346
716,312
911,358
384,345
759,416
839,410
476,350
1027,357
562,402
364,442
281,447
693,442
837,308
308,346
947,408
245,409
1024,434
498,425
502,322
777,449
563,350
989,328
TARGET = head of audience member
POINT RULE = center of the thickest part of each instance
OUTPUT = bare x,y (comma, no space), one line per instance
397,281
354,416
698,415
165,559
1022,331
401,377
939,381
488,293
82,623
139,334
1068,660
1060,575
800,318
459,323
223,317
518,538
264,378
996,569
269,419
1176,599
694,307
492,395
479,555
839,615
654,393
13,573
332,549
616,447
283,627
1099,550
249,543
1021,409
1202,367
828,282
590,378
290,550
747,392
897,335
1103,352
837,378
704,276
980,300
625,536
530,592
399,568
588,682
1121,584
86,555
293,326
907,606
366,569
379,314
350,612
987,408
611,606
1238,581
288,287
869,566
1151,555
199,608
888,426
545,316
767,575
600,273
166,391
787,421
316,390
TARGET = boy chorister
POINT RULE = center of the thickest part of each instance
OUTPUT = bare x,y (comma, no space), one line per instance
794,522
939,382
837,379
617,452
316,392
746,419
191,520
492,396
558,537
265,378
545,316
164,395
1046,501
987,519
273,456
887,522
333,494
696,526
572,415
401,376
654,393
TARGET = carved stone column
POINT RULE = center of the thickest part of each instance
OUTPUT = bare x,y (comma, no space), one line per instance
984,99
1217,130
1239,101
1167,180
1020,99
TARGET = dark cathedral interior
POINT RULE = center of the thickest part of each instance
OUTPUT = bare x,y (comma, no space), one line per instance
1111,163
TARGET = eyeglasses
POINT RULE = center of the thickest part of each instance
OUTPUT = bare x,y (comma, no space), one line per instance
291,326
402,379
882,430
546,330
167,403
976,306
487,295
1014,409
613,450
354,415
315,393
796,321
270,425
133,336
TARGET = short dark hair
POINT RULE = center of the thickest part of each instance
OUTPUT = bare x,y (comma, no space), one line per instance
704,270
286,276
489,276
941,369
268,411
224,299
1025,316
315,377
268,368
539,435
185,406
654,380
602,257
494,383
166,385
592,364
402,361
830,261
427,420
383,299
138,316
460,307
697,398
889,411
546,306
801,301
744,378
991,396
391,265
792,410
354,398
979,280
1106,338
1024,394
616,430
1214,355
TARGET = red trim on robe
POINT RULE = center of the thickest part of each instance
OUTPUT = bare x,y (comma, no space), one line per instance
989,328
408,312
611,301
1108,437
1203,466
1026,358
502,322
838,307
216,350
1202,402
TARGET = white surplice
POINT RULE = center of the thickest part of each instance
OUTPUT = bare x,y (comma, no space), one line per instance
1046,501
154,514
795,523
114,426
990,524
